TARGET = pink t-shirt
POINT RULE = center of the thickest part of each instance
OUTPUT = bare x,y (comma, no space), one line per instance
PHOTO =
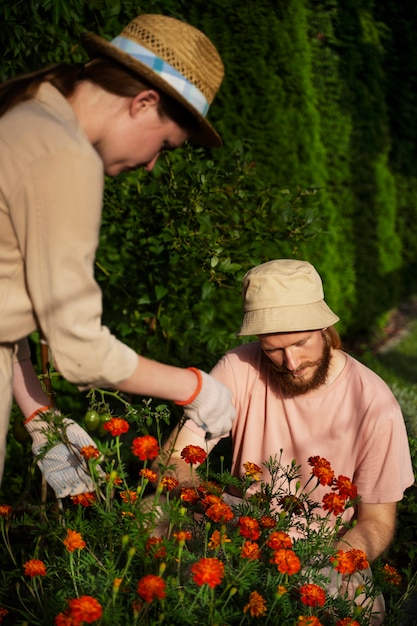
355,423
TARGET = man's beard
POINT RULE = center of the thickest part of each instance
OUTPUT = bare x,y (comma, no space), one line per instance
291,385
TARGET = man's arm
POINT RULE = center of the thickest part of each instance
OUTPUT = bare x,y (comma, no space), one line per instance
374,530
170,455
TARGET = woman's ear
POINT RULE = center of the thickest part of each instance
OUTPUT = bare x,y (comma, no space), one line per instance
143,100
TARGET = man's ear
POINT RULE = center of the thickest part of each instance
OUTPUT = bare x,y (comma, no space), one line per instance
143,100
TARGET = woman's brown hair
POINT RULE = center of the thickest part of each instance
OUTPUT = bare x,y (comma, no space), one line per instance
106,73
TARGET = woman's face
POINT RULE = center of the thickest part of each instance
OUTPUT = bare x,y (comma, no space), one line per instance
137,136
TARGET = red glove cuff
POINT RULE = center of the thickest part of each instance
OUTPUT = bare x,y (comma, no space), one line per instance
198,389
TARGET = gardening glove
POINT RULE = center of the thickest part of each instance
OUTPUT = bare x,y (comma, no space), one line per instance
210,406
63,467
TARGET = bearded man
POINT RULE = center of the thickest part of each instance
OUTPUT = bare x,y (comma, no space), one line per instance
299,395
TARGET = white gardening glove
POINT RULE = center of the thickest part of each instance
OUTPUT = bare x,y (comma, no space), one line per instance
63,467
212,409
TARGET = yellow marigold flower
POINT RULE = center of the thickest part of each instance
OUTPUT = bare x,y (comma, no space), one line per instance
256,605
253,471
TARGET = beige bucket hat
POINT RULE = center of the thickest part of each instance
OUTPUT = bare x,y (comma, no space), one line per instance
284,296
172,56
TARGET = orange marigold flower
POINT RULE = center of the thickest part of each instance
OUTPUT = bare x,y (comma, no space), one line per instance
347,621
90,452
346,488
253,471
148,474
256,605
286,561
321,470
189,494
85,609
182,535
350,561
281,590
3,613
391,575
278,539
249,527
116,583
208,571
250,550
74,541
334,503
34,567
65,619
217,539
267,521
5,510
151,587
169,483
193,454
220,512
308,620
155,547
129,496
146,447
312,595
85,499
116,426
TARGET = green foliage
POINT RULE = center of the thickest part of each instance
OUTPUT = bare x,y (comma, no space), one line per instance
176,243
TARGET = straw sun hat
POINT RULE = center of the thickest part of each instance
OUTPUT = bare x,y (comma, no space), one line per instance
284,296
172,56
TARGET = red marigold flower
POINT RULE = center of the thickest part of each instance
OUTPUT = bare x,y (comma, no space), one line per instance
321,470
151,587
334,503
312,595
189,494
34,567
85,499
148,474
155,547
193,454
286,561
308,620
90,452
116,426
169,483
250,550
220,512
74,541
129,496
253,471
3,613
249,527
347,489
146,447
278,539
391,575
217,539
5,510
350,561
208,571
256,605
347,621
266,521
85,609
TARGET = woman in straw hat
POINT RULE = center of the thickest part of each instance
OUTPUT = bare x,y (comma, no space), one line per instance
61,129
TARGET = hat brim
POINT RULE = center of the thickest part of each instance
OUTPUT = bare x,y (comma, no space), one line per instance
288,319
95,46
